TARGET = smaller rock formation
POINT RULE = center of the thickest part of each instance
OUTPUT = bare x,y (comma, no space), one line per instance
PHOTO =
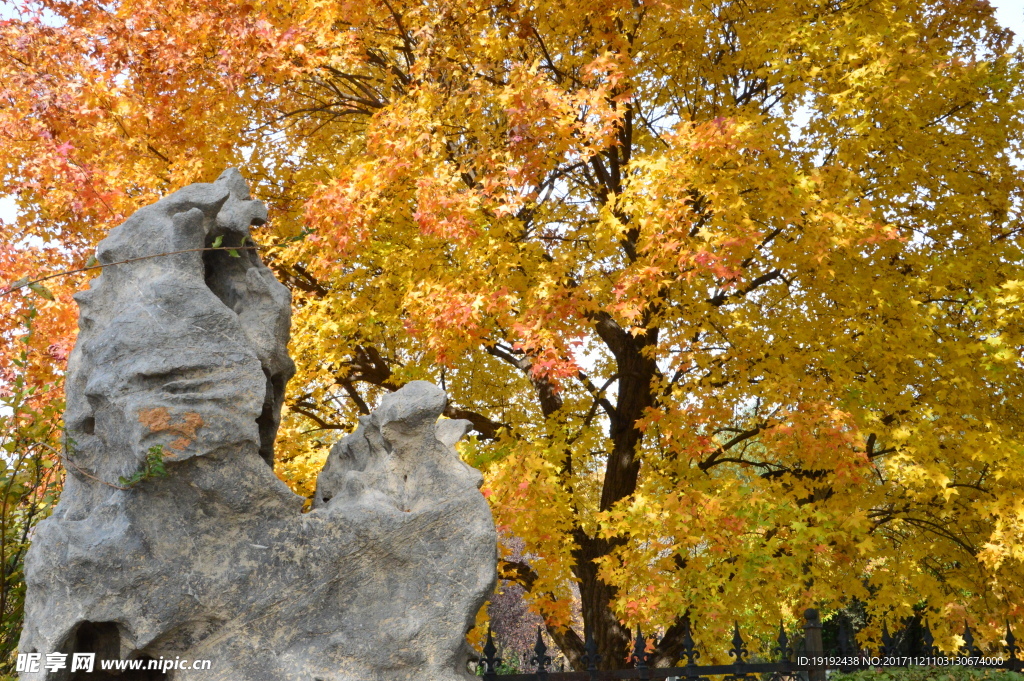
185,355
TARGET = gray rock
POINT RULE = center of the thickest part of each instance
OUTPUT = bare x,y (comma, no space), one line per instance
216,561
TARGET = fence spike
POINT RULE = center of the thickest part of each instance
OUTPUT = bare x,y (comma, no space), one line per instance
969,648
846,647
640,654
1011,649
928,642
541,659
590,657
490,663
739,649
783,648
887,642
689,650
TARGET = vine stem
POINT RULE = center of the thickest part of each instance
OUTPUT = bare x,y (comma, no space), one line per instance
67,459
89,475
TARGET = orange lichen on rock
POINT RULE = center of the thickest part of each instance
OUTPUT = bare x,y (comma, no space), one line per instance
158,419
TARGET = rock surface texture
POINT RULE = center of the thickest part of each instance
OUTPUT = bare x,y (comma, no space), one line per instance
186,355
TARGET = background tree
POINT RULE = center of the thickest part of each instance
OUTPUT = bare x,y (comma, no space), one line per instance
29,442
730,291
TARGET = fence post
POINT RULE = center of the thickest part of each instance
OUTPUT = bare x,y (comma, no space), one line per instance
813,646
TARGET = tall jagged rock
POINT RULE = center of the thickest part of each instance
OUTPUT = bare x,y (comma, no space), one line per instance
184,356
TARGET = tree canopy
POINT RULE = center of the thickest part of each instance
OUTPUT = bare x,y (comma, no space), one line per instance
730,291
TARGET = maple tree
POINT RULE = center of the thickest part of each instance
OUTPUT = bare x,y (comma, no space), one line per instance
29,436
731,292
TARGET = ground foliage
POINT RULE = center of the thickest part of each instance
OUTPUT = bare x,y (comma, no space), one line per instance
730,291
928,674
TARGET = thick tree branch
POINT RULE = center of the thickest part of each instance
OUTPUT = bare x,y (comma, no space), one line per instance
517,571
354,395
670,648
598,395
722,297
716,456
307,410
566,639
547,395
369,366
487,428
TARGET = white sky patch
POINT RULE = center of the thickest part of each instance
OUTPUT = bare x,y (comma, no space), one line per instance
8,209
1010,14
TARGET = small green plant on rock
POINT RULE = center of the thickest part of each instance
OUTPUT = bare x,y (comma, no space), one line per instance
152,467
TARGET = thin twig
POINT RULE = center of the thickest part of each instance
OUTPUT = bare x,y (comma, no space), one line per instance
122,262
89,475
67,459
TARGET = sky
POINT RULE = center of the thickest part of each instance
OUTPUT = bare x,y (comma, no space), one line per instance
1010,13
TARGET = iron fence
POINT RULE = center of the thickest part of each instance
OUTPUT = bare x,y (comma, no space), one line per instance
808,661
